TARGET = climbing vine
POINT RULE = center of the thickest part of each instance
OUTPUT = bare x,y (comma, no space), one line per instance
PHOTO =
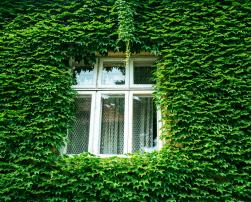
202,89
126,28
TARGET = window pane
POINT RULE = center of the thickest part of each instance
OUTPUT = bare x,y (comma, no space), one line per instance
113,73
143,72
84,75
79,137
144,123
112,125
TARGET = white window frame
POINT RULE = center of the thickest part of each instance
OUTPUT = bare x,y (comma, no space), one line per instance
94,80
97,129
99,82
150,94
129,89
92,117
132,85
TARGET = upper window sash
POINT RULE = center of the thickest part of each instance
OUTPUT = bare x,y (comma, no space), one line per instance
98,78
102,73
141,63
85,78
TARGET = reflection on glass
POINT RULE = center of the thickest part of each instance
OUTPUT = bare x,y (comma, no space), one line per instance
79,136
84,75
112,125
113,73
143,73
144,124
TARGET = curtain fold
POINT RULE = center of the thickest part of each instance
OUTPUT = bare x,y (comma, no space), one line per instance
112,126
144,124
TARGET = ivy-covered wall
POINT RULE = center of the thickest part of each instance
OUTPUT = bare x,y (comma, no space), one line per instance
203,90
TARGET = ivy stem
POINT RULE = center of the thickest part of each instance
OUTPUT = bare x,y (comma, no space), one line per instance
128,52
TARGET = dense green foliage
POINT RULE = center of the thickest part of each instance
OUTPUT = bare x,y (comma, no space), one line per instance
203,88
204,81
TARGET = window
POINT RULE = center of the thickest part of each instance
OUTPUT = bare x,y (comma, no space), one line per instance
115,111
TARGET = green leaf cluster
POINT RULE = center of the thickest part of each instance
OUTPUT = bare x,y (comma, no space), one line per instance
202,89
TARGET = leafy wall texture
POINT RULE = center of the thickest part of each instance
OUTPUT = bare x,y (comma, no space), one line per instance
203,90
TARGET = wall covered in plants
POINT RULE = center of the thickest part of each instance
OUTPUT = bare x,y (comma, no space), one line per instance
203,88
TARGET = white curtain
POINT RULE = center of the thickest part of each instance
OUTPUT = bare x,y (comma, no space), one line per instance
144,123
112,126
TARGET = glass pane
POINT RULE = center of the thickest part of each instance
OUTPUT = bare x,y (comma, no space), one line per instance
113,73
83,75
112,126
143,72
144,123
79,136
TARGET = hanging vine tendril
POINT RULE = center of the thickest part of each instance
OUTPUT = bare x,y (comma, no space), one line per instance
126,27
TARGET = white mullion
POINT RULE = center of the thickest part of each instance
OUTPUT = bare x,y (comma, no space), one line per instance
130,122
92,123
126,123
96,73
131,69
129,73
99,73
97,125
